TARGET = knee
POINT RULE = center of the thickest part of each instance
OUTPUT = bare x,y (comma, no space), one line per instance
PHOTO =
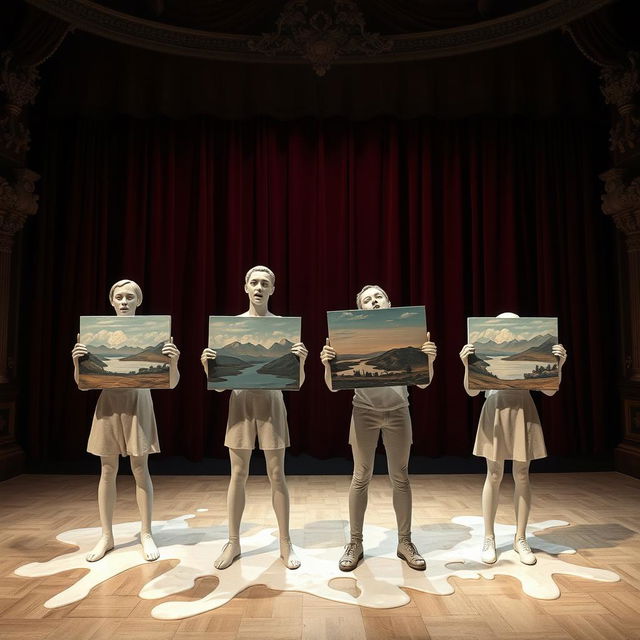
140,471
521,477
361,478
400,479
494,477
276,477
239,474
109,471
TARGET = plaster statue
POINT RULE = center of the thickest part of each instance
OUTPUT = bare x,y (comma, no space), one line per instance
379,410
257,413
509,429
124,424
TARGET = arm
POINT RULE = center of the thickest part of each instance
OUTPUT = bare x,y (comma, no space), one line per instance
208,354
431,351
300,352
79,350
561,354
327,354
467,351
173,352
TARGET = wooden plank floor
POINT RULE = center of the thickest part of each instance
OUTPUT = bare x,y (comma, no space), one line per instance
603,509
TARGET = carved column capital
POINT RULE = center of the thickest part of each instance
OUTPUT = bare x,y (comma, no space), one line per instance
621,200
19,87
620,87
18,200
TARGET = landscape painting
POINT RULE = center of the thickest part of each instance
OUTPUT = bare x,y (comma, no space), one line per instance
378,348
513,353
253,353
124,351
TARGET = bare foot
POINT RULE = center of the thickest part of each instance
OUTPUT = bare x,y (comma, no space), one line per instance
104,545
149,548
230,552
288,555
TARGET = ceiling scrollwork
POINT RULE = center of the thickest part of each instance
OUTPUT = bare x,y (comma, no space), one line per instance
321,38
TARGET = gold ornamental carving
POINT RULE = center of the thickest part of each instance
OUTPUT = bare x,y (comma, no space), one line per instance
19,87
621,88
320,37
18,200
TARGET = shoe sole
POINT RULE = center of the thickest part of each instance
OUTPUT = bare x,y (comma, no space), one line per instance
422,567
360,557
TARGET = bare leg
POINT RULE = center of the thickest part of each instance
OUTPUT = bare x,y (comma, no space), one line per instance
280,501
106,503
521,496
144,497
240,459
522,506
490,498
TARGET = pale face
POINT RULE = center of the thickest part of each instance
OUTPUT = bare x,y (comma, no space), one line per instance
259,288
125,301
373,298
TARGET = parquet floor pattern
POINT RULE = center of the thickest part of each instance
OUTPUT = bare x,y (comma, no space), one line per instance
603,509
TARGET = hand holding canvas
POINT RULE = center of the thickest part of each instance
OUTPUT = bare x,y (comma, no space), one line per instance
173,353
77,352
207,354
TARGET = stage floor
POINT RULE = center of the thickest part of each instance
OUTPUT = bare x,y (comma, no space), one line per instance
602,509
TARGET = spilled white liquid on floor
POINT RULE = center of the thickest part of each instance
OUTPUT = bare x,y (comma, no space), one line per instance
450,550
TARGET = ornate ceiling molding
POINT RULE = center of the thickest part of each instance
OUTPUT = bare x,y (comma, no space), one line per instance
94,18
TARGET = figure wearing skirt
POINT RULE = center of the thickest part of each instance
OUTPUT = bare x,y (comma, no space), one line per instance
508,429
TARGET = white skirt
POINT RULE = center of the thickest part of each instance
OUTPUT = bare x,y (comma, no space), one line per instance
509,428
124,424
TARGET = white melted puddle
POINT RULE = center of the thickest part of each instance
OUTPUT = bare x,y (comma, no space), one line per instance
450,550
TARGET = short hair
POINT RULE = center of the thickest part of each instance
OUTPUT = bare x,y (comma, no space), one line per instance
134,285
370,286
264,269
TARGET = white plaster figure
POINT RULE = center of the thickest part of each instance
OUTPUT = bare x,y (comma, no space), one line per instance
257,413
379,410
124,425
508,429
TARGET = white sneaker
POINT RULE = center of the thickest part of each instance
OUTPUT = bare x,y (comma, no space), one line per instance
489,550
522,548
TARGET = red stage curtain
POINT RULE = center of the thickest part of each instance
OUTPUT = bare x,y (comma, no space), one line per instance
469,217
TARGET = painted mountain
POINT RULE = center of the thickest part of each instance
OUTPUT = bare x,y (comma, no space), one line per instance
124,352
378,348
253,352
513,353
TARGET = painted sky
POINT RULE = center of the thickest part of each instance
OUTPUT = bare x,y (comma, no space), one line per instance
507,329
264,330
118,331
361,332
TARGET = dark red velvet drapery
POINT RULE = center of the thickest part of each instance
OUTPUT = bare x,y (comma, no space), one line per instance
469,217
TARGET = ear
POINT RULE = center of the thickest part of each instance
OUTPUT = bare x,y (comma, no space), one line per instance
246,288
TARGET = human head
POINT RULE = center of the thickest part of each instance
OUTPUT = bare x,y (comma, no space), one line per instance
508,314
266,270
365,290
259,285
130,287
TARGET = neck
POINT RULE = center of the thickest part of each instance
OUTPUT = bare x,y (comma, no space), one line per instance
262,310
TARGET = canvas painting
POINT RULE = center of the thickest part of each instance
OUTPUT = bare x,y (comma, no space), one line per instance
378,348
513,353
253,353
124,351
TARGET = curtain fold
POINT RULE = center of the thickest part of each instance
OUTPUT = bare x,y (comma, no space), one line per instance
469,217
